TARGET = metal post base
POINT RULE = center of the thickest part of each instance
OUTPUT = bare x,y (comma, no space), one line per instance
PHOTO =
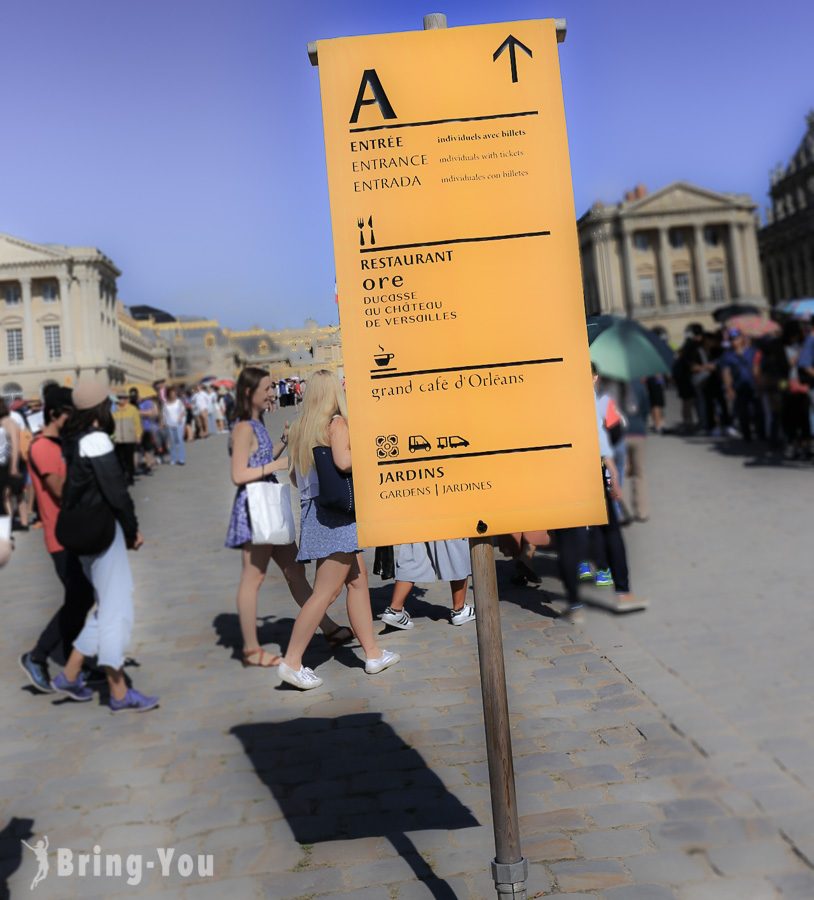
510,878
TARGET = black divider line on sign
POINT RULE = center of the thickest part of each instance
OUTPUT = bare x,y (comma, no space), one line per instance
466,240
497,365
423,459
514,115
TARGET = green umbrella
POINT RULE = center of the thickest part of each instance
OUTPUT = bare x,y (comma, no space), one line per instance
624,350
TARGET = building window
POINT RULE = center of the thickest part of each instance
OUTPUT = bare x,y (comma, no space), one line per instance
50,293
641,241
647,291
14,343
711,236
717,288
53,344
677,238
11,292
263,348
682,286
209,341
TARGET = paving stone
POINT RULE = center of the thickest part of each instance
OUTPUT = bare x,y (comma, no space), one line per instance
587,775
666,867
640,892
583,875
755,858
730,889
621,842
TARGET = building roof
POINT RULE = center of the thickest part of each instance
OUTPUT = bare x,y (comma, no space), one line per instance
15,251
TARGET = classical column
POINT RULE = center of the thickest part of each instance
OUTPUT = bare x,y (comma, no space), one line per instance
67,318
756,288
89,307
736,260
699,263
627,262
665,269
29,347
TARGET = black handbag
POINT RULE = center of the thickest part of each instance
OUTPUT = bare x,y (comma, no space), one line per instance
86,531
335,487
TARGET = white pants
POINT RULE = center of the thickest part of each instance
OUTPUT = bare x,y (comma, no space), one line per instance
107,630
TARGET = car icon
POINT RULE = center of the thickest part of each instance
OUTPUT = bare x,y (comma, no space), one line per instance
455,440
418,442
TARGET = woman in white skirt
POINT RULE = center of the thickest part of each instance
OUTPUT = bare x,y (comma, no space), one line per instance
426,563
327,536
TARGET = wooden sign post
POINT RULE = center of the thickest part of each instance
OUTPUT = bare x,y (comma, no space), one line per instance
470,397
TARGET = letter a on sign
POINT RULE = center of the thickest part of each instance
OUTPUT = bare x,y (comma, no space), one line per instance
371,78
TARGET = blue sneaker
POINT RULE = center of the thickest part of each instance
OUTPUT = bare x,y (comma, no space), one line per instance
133,701
604,578
37,673
584,572
76,690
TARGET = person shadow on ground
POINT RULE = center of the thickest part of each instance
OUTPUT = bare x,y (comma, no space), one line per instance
274,631
11,850
354,777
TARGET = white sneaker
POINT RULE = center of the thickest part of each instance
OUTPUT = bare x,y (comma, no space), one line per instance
305,679
388,658
463,615
398,618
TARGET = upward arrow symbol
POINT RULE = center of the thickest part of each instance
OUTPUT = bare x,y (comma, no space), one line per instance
512,43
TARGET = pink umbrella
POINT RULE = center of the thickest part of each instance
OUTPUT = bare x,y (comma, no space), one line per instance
754,326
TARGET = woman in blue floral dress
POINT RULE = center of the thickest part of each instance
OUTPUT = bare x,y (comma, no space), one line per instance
254,459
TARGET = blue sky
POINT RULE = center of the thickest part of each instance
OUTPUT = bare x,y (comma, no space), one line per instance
184,138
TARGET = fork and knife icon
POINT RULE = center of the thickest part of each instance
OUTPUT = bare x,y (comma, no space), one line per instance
361,224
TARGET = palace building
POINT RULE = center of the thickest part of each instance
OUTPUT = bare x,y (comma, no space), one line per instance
671,257
61,318
787,240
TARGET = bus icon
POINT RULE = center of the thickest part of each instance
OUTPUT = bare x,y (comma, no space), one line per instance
452,441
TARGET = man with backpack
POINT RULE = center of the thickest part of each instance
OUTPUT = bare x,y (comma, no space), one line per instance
48,471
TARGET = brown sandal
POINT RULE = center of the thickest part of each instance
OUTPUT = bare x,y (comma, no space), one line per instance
263,657
339,636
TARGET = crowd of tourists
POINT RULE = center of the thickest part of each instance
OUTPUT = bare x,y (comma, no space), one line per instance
749,388
89,449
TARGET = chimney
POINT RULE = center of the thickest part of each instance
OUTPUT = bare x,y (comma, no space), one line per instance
640,191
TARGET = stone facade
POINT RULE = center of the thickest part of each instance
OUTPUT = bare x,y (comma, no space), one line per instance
787,240
671,257
60,318
291,351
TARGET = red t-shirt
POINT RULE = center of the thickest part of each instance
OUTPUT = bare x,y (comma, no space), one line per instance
47,456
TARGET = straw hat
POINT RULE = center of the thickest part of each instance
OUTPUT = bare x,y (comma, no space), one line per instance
89,393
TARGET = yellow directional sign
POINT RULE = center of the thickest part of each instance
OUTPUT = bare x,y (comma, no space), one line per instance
468,378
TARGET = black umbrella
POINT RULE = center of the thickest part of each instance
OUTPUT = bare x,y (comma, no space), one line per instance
734,309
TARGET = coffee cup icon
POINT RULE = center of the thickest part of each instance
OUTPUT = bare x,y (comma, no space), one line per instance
382,359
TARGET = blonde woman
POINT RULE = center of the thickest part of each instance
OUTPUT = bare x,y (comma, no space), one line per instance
254,459
327,536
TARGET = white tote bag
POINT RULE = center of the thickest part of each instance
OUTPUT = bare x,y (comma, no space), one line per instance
270,516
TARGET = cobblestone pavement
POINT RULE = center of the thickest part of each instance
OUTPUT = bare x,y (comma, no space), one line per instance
663,755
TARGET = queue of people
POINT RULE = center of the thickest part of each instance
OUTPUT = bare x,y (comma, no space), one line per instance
763,388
